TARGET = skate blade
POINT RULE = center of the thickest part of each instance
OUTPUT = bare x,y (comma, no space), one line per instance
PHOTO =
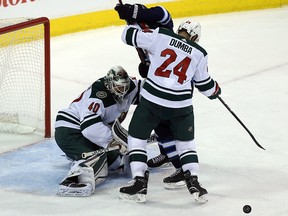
139,198
167,165
175,186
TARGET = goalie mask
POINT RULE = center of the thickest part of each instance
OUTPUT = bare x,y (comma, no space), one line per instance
117,82
192,28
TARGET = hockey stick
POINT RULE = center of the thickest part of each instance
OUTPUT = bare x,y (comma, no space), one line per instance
251,135
98,152
152,139
120,135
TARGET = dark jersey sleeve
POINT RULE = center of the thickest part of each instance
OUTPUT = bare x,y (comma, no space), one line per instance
155,17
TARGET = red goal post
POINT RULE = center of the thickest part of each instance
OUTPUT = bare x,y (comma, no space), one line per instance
25,104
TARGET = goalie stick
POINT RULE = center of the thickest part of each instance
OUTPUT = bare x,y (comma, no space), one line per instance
121,135
99,152
152,139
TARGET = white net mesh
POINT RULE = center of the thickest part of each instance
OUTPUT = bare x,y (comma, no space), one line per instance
22,78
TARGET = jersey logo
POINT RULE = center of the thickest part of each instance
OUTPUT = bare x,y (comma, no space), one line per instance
101,94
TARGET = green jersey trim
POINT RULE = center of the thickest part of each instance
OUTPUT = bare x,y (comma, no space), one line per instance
63,116
90,120
204,85
170,33
165,93
131,36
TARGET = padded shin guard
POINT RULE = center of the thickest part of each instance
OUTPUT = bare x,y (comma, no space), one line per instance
78,182
84,176
120,133
99,165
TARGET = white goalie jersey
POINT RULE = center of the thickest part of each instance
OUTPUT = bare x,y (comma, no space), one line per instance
183,62
95,110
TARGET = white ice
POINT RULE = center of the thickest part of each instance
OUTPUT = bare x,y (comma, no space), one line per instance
248,56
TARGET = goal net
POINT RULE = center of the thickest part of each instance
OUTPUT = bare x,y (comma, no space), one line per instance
25,75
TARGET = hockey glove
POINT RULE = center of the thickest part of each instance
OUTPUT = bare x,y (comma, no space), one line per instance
216,92
143,69
125,12
129,12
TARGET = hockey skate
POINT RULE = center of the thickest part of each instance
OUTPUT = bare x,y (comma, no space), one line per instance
137,190
160,160
70,187
175,180
194,187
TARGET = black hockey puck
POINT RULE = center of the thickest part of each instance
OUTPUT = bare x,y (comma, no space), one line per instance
247,209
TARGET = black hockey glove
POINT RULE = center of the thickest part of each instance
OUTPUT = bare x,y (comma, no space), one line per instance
129,12
216,92
143,69
125,12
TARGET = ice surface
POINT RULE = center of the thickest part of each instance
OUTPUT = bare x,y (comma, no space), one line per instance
248,57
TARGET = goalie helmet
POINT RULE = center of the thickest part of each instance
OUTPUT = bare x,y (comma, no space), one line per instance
117,82
193,28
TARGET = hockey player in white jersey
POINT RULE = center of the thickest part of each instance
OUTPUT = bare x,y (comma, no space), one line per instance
154,17
168,152
176,65
85,126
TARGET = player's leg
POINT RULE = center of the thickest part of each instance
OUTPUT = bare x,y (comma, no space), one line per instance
137,141
168,154
183,131
164,136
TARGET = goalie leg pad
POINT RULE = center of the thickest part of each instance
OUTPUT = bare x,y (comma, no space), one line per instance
120,137
78,182
99,165
120,133
101,174
83,176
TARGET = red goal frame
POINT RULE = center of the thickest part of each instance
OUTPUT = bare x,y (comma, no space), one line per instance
46,22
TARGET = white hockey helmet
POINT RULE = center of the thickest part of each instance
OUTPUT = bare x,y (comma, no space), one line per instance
193,28
117,82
